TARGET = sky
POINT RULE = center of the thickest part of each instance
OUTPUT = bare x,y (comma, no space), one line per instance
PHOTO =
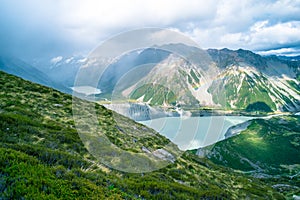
35,28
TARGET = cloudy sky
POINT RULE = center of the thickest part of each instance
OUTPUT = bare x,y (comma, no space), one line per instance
63,27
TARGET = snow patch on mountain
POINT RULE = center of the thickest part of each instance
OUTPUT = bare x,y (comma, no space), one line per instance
69,60
56,60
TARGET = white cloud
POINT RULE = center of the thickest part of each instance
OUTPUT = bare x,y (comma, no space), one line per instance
276,35
82,60
56,59
69,60
261,36
253,25
96,20
258,26
282,51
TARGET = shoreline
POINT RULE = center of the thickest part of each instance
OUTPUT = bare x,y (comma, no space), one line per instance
146,112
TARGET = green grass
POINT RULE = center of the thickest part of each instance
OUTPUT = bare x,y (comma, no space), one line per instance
196,79
251,91
267,146
294,86
156,94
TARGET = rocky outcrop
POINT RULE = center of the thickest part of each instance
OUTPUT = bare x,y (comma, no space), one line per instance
235,130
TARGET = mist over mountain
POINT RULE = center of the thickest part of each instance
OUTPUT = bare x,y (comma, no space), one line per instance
17,67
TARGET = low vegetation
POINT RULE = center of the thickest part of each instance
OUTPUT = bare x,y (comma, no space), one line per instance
268,149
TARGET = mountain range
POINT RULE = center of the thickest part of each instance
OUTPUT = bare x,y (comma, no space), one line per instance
228,80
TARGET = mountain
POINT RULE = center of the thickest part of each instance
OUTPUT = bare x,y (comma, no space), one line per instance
268,149
231,80
235,81
22,69
168,83
180,76
146,59
249,78
226,57
289,58
43,157
152,74
60,69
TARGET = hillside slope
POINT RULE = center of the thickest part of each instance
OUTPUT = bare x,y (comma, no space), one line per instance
42,156
24,70
268,149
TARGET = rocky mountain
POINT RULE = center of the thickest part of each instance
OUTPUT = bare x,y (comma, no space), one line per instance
245,86
249,79
242,80
172,81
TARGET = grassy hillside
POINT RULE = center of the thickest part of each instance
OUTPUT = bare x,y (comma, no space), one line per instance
269,149
155,94
42,156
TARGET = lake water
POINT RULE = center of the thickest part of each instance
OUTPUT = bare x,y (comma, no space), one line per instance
86,90
194,132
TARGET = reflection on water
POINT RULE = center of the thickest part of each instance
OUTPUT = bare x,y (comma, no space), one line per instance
194,132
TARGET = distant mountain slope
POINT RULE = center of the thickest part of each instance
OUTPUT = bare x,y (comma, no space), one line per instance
24,70
170,82
245,85
226,57
60,69
42,156
249,78
129,62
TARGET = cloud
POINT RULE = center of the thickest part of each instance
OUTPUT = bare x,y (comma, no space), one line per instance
64,27
282,51
56,59
258,26
69,60
263,36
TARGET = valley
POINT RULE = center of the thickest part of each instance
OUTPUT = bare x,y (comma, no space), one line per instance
232,136
41,148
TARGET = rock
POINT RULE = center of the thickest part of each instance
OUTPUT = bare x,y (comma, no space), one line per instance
164,155
296,197
145,150
235,130
202,152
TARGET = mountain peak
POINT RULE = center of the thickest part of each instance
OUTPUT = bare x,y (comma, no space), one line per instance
226,57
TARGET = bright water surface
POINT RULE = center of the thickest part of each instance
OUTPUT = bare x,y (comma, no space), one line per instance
194,132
